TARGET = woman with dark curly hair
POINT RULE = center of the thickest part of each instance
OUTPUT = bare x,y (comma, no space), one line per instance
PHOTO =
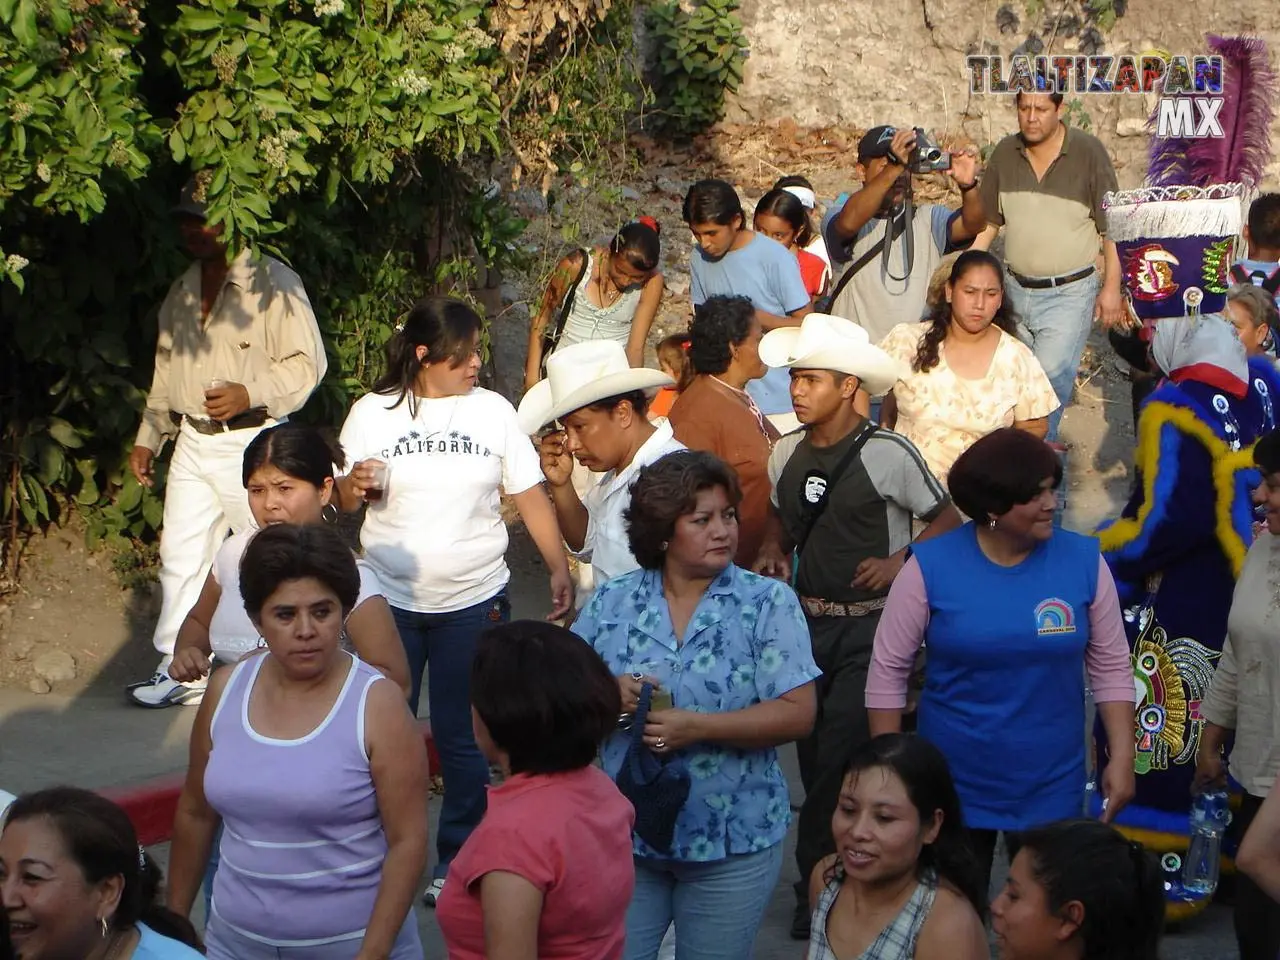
970,374
1015,613
715,413
729,654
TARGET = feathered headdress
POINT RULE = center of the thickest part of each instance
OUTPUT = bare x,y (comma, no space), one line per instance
1242,154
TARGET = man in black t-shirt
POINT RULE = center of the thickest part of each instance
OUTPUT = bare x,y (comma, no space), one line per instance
845,495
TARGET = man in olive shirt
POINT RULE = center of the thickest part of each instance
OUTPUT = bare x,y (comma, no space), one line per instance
1044,185
239,350
845,495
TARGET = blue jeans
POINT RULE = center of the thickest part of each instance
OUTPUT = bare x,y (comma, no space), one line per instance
448,642
716,906
1055,322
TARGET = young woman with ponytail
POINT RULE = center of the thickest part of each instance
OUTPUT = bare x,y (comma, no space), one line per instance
76,885
1079,890
970,374
433,453
611,293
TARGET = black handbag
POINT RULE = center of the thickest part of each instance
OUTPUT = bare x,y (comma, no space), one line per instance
657,788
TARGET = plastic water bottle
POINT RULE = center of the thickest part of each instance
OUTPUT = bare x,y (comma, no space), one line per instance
1210,815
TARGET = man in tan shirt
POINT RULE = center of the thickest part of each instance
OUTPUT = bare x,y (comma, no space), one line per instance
238,351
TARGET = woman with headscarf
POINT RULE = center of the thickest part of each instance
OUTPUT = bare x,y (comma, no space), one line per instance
1176,551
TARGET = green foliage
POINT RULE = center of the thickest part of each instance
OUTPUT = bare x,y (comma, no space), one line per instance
346,137
700,56
1077,116
1104,12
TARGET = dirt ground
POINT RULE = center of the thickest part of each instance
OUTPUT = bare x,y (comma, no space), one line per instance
70,602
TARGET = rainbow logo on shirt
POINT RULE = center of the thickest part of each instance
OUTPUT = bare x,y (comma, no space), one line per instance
1054,616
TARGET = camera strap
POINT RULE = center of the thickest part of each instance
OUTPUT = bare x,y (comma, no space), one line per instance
907,232
889,235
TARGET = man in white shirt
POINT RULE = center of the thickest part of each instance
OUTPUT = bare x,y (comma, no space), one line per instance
600,403
238,351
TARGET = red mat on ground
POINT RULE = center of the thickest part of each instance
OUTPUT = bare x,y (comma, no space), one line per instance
151,805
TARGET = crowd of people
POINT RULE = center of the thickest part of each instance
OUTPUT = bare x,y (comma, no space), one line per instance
829,517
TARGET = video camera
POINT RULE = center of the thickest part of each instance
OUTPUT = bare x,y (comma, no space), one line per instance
926,156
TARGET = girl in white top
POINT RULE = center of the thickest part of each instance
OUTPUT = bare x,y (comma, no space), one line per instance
970,374
616,299
433,453
288,473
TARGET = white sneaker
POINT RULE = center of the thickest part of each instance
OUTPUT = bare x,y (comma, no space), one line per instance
163,691
431,895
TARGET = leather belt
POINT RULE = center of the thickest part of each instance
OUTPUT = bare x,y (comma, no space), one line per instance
816,607
243,421
1044,283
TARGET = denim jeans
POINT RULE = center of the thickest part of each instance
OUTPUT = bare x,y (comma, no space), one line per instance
447,641
716,906
1055,323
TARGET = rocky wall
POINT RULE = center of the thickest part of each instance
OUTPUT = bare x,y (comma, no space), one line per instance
824,62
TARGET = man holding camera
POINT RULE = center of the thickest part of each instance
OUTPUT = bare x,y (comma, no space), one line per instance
880,223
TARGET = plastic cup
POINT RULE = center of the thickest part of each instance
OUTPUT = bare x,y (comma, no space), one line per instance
659,670
378,483
214,384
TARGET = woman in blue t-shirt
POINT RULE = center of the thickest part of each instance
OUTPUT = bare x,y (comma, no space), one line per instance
1014,612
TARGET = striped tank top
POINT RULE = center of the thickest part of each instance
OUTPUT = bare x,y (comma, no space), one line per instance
302,843
897,941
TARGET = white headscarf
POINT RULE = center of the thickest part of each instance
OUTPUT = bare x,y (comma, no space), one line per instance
1181,344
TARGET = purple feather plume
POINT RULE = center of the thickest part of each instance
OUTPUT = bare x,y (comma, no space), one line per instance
1242,154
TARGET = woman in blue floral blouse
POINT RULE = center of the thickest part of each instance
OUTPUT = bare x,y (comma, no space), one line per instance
732,651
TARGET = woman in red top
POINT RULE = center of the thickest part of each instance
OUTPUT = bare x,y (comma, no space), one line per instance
548,872
782,217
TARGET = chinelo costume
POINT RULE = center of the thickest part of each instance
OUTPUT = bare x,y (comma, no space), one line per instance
1180,542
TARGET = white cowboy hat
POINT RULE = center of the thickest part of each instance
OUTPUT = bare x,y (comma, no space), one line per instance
582,374
824,342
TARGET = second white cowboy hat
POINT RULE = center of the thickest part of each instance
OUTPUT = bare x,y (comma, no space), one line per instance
582,374
824,342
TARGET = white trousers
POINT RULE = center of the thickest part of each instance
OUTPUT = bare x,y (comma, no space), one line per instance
204,501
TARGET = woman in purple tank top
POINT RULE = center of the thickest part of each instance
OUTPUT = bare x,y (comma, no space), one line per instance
312,763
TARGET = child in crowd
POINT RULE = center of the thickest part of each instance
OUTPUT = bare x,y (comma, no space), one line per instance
673,360
782,216
1262,234
802,190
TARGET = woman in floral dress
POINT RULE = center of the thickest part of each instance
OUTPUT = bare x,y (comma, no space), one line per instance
730,656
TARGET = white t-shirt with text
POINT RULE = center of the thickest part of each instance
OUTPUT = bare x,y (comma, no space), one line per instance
437,540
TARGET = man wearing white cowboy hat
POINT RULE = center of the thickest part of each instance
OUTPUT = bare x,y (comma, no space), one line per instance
600,402
845,495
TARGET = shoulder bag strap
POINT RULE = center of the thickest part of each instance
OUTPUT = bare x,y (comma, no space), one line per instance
845,462
868,255
549,340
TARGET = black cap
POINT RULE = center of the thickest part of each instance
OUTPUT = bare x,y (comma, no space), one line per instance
876,142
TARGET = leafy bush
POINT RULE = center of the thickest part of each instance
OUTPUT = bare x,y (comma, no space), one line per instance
699,56
348,137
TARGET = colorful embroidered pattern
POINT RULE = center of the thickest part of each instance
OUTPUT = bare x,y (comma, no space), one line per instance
1054,616
1216,265
1171,678
1149,272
